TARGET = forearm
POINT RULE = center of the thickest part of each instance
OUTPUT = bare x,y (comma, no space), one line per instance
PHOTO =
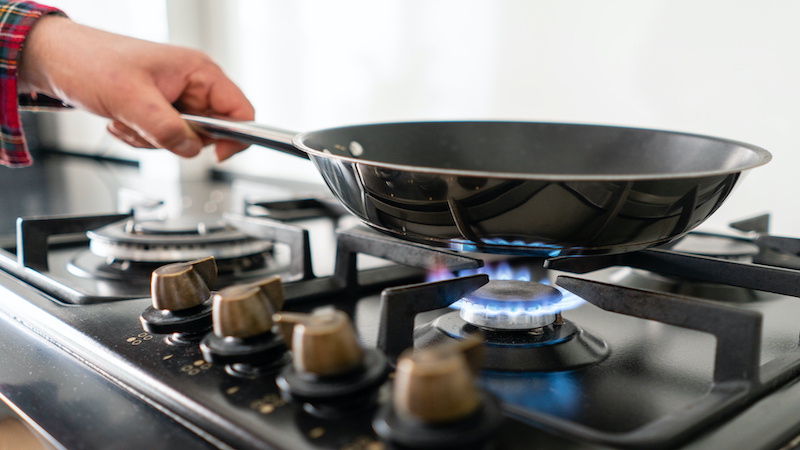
32,73
139,85
17,19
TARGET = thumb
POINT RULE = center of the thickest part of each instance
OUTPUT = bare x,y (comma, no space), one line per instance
158,122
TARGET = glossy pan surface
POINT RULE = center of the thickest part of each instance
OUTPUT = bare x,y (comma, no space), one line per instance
519,187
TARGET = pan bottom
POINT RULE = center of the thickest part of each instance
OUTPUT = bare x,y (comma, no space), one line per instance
518,247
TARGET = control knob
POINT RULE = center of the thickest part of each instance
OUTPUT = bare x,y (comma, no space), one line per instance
330,372
243,336
182,300
435,402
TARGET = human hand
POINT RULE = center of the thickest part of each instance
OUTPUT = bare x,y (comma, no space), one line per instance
139,85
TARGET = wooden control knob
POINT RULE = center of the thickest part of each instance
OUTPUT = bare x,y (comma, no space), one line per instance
242,322
246,310
437,384
323,343
181,286
330,373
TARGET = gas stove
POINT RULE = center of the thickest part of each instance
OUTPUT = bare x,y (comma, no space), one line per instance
273,321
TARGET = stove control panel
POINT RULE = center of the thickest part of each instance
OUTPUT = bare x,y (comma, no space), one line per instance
318,363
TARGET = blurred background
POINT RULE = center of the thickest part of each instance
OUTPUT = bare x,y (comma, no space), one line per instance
721,68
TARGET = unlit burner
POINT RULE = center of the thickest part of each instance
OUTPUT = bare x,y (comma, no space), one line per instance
511,305
172,240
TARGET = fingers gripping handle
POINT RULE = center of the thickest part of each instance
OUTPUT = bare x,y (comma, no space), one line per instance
246,132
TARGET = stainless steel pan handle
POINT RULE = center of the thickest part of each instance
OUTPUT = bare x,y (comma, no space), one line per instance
247,132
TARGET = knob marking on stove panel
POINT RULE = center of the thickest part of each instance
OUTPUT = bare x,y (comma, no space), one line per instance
181,286
437,385
246,310
323,343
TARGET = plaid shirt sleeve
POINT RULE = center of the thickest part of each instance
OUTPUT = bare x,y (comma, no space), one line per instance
16,20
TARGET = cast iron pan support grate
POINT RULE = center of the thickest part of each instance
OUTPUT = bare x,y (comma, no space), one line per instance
738,379
272,230
715,270
400,305
350,243
347,279
738,331
33,233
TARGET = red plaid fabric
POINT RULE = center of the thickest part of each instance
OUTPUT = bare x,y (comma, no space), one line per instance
16,20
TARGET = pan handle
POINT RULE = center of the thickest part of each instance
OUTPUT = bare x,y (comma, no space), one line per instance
247,132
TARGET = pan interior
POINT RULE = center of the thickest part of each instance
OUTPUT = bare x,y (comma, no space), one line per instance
540,150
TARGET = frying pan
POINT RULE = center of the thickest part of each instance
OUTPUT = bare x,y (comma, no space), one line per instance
542,189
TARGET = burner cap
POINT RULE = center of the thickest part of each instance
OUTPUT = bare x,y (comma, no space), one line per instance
183,225
511,305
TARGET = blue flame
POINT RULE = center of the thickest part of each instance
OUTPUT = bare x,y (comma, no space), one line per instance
568,301
520,243
504,271
516,247
501,271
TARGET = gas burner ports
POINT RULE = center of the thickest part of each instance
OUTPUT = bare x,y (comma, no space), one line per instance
331,374
526,331
435,402
511,305
181,300
243,335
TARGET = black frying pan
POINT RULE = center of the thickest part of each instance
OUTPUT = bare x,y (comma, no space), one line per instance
517,187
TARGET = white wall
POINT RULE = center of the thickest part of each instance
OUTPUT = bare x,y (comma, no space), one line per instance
725,68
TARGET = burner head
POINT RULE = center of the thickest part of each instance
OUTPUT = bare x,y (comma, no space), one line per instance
511,305
181,226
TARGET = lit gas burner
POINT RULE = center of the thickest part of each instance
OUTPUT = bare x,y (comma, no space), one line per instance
511,305
521,323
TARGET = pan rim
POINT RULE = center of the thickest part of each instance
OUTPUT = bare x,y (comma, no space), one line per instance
762,157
